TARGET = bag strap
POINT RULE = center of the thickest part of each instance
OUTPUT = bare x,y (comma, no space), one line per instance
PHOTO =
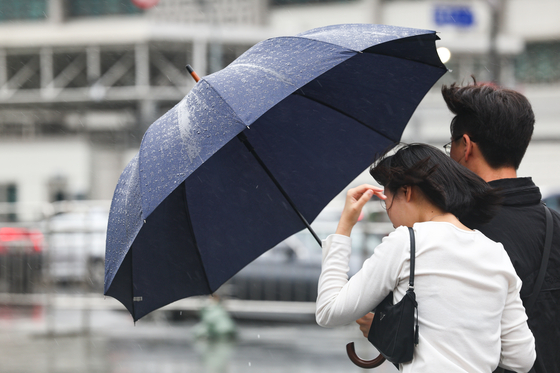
544,261
412,257
411,281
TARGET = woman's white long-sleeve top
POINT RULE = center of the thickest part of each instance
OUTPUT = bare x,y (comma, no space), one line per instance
469,311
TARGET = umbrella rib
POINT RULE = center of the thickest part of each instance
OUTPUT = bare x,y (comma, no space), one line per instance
243,138
133,306
372,50
301,94
191,228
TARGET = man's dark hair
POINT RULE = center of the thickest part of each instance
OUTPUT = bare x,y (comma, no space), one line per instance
448,185
499,120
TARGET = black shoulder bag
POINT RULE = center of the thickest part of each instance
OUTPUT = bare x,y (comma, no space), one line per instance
394,330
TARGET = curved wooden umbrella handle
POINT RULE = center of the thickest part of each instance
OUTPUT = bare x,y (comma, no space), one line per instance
368,364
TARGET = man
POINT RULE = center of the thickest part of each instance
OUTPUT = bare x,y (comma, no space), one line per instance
490,132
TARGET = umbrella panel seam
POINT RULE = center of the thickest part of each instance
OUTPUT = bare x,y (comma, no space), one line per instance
343,113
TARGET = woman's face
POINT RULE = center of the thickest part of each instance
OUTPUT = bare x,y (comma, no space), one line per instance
397,208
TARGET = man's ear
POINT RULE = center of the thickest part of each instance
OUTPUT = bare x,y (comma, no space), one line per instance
469,144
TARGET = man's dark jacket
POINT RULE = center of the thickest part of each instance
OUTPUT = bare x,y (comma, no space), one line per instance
520,226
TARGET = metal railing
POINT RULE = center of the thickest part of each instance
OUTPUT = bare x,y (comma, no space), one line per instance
58,262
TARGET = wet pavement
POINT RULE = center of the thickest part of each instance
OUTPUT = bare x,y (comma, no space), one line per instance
33,339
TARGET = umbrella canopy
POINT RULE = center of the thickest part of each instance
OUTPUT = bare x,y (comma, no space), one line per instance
285,127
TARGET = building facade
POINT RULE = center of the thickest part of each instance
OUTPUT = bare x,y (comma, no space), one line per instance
81,80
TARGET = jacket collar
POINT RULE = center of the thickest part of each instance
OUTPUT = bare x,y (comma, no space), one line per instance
518,191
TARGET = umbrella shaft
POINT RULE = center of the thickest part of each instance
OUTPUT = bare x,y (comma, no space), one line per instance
243,138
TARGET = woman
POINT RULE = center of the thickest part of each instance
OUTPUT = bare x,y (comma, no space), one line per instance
469,311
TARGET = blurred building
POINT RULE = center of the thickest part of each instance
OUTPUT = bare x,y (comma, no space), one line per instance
81,80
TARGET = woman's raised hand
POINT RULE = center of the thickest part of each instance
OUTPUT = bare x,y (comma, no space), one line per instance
356,198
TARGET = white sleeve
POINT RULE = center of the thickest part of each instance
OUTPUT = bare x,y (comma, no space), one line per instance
518,343
341,301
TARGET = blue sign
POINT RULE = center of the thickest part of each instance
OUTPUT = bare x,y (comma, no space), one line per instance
455,15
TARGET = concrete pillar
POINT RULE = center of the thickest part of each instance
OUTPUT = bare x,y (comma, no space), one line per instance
147,114
262,11
3,70
507,71
494,65
199,57
57,11
93,64
216,56
374,9
47,72
142,62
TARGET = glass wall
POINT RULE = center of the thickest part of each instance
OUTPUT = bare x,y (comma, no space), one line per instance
93,8
539,63
11,10
290,2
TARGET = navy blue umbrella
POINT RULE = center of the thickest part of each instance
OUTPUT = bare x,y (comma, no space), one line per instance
255,151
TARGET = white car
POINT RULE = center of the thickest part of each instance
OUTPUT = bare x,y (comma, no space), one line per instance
290,270
551,196
76,246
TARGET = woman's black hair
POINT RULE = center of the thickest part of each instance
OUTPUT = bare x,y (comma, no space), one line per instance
448,185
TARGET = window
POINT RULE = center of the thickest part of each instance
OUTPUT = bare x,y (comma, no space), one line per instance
93,8
22,10
57,188
290,2
8,195
539,63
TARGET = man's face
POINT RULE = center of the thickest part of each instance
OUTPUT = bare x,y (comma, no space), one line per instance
457,152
